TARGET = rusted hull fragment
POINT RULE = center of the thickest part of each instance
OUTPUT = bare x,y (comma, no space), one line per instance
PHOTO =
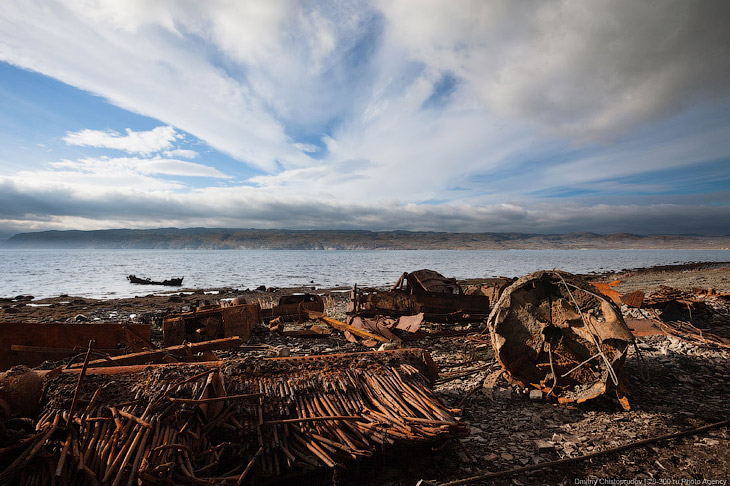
32,343
423,291
209,324
553,331
294,307
674,304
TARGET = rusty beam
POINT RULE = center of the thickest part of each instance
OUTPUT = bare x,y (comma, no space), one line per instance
341,326
179,351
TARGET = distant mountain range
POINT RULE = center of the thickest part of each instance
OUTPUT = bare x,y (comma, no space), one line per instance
229,238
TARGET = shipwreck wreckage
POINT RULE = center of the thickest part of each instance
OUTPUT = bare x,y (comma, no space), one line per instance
152,415
440,299
553,331
170,282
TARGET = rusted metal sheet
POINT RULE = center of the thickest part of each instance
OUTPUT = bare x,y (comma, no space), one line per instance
553,331
644,327
674,304
439,298
409,323
211,323
347,328
607,289
62,339
292,307
430,281
490,287
633,299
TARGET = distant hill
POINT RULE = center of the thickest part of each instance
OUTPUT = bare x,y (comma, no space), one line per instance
230,238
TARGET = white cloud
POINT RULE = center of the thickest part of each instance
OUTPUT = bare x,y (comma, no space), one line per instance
68,205
254,79
145,143
147,166
307,147
589,69
184,153
585,69
96,178
141,60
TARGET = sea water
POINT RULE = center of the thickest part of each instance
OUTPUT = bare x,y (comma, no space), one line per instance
103,273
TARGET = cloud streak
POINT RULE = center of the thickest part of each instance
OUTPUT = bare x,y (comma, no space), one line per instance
145,143
245,206
415,114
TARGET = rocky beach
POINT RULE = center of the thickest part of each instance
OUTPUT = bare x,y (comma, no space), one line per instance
681,382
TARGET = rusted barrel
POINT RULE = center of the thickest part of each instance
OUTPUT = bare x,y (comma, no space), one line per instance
20,392
555,332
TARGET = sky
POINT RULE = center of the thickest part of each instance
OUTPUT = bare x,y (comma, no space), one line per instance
468,116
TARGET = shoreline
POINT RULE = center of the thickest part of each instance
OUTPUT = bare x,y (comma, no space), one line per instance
146,306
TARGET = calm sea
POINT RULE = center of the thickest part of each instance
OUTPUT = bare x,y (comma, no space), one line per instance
102,273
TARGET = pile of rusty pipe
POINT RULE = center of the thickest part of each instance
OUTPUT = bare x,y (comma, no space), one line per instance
294,415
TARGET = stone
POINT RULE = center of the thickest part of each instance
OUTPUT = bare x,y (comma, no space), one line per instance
535,395
542,446
502,393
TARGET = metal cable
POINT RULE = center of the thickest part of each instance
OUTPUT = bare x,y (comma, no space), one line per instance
591,331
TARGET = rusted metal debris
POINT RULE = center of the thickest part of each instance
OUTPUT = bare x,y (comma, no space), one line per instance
170,282
370,332
210,323
369,339
633,299
20,392
608,289
179,353
644,327
293,307
226,423
439,298
688,332
674,304
553,331
32,343
490,287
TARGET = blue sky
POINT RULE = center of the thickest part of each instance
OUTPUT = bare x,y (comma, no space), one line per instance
540,117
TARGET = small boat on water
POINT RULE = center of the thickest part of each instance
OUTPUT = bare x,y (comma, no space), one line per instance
171,282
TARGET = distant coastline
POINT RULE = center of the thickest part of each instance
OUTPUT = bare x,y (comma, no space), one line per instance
258,239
